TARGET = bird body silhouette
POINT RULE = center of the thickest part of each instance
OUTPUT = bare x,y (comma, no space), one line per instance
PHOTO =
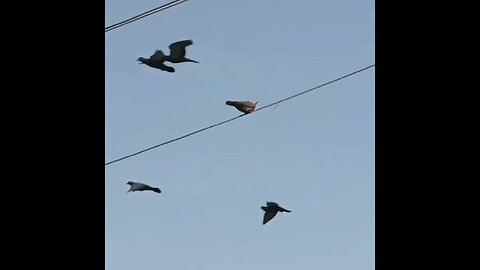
271,211
177,55
137,186
243,106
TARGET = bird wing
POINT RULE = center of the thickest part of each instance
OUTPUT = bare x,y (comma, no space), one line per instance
247,105
141,186
272,204
268,216
243,106
166,68
157,55
177,49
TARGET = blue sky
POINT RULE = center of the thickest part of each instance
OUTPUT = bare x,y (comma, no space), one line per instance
314,154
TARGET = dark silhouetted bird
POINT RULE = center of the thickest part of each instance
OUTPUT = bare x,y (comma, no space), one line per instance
137,186
271,211
243,106
177,55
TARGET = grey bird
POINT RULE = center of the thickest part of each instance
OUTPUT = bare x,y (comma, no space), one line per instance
137,186
271,211
243,106
177,55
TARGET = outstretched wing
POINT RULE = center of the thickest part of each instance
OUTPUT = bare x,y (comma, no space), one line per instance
177,49
166,68
158,55
268,216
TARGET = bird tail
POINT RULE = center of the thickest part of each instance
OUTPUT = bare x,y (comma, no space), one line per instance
288,211
157,190
190,60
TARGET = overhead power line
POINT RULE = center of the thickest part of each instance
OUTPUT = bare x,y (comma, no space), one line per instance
144,14
236,117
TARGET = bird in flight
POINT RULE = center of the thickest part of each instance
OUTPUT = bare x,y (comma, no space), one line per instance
243,106
271,211
137,186
177,55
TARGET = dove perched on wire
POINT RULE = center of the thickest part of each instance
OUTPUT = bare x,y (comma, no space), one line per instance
271,211
177,55
243,106
137,186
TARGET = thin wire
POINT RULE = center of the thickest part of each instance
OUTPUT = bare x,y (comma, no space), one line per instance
176,139
316,87
236,117
144,14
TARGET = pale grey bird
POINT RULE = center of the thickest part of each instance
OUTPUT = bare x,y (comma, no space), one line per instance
177,55
137,186
271,211
243,106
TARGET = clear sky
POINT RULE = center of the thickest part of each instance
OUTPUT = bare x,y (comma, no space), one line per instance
314,154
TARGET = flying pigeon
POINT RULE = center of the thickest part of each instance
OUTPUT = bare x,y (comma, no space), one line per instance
243,106
177,55
137,186
271,210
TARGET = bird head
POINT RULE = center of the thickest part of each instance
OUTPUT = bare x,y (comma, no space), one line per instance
264,208
129,183
141,60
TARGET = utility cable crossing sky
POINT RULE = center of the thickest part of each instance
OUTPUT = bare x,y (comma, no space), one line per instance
236,117
144,14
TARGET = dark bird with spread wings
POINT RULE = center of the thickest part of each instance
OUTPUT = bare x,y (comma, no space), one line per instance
137,186
177,55
271,211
